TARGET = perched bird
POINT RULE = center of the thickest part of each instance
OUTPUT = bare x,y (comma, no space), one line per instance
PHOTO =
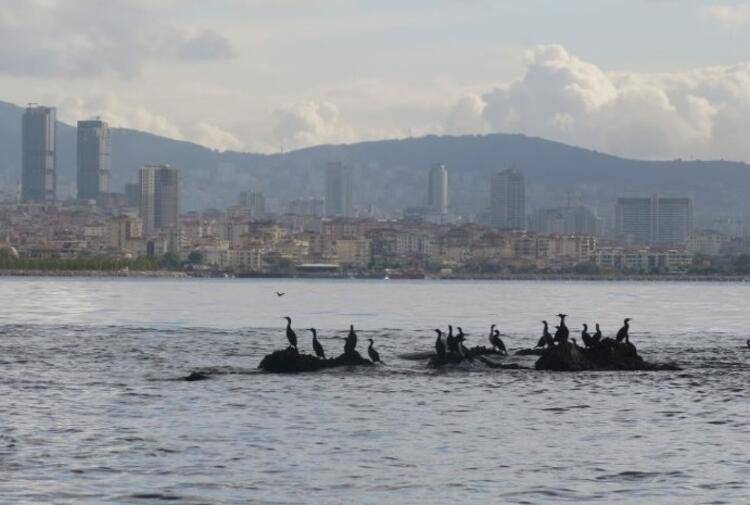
561,335
622,334
588,340
498,343
280,294
546,338
374,355
462,350
319,352
597,335
440,345
351,341
290,335
492,335
460,333
451,341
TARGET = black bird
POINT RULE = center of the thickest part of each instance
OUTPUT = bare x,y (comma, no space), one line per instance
588,340
451,341
440,345
546,338
562,333
462,350
351,341
319,352
374,355
597,335
492,335
622,334
290,335
279,293
497,342
460,333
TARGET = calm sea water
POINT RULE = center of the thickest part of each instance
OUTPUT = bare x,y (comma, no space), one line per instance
92,411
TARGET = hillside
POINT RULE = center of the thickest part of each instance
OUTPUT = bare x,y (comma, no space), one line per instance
390,174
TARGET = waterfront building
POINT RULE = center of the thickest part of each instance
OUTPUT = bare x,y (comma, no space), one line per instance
339,201
508,200
160,197
39,159
437,189
93,159
654,220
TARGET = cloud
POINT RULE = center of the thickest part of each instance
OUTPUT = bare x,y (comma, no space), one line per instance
212,136
466,116
731,16
82,38
702,113
309,122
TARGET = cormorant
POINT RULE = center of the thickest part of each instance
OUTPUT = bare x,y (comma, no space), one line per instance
290,335
319,352
497,342
440,345
561,335
492,335
597,335
546,338
451,341
588,340
351,341
374,355
462,350
622,334
460,333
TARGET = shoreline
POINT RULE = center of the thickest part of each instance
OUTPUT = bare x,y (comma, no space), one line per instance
170,274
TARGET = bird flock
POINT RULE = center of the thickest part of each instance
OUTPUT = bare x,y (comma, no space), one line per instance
350,342
449,343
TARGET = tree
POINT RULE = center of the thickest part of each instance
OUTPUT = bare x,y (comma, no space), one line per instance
195,257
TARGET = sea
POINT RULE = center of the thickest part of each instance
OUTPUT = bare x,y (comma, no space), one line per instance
94,408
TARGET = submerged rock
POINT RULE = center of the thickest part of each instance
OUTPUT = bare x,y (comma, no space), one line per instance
607,355
196,376
290,361
530,352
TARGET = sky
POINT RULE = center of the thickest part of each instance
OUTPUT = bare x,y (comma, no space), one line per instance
652,79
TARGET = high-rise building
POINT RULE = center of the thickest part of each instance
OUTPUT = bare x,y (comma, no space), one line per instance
133,194
508,200
339,190
93,159
254,201
576,220
654,220
160,197
39,161
437,189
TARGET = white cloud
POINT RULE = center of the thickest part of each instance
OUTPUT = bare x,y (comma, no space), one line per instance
214,137
466,116
306,123
701,113
84,38
731,16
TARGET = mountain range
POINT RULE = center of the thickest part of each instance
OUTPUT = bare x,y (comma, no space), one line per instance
392,174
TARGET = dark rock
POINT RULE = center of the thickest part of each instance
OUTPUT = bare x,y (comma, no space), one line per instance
530,352
607,355
290,361
196,376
